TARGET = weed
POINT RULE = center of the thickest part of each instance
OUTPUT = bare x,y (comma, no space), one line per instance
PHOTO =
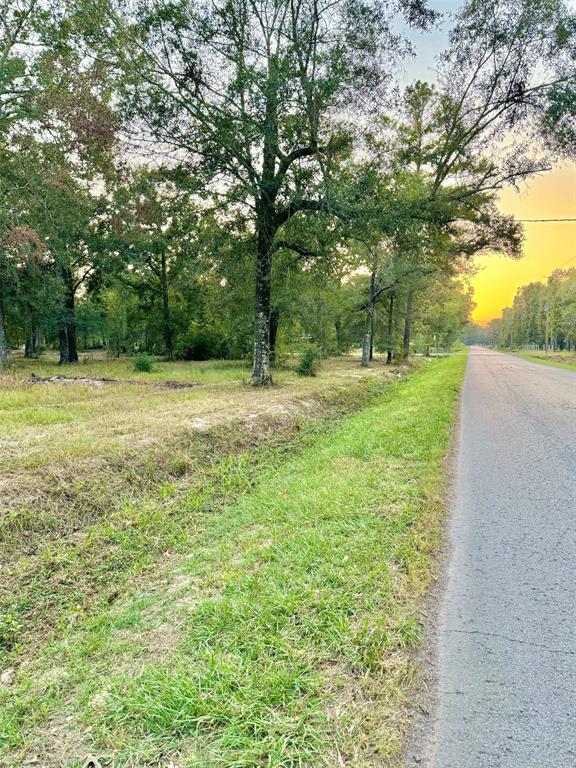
9,630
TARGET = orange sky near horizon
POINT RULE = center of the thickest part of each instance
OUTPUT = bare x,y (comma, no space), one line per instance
546,246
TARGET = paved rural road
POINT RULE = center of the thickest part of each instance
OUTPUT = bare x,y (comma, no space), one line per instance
507,638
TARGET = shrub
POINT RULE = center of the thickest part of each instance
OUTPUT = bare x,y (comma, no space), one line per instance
309,362
202,344
143,363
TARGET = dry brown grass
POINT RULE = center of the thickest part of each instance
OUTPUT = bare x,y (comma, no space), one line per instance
51,434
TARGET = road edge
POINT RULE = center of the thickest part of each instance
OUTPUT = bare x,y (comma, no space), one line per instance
419,746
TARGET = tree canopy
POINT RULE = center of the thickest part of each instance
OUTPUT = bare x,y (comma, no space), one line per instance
243,177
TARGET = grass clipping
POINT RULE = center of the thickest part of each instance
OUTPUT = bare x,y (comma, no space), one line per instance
285,636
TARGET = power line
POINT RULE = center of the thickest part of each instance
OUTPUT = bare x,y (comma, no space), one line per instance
544,220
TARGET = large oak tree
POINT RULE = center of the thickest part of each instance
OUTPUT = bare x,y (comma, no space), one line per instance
257,97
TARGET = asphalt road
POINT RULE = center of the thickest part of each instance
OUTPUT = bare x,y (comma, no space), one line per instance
507,636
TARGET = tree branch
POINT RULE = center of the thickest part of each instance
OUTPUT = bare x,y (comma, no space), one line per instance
299,249
297,206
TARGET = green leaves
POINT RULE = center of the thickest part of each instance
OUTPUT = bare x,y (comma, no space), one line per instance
559,119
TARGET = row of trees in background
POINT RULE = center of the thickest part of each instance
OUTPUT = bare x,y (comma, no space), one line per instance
235,178
542,316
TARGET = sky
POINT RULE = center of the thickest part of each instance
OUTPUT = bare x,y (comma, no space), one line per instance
551,195
546,246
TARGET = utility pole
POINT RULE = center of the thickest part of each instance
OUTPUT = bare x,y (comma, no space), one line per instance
547,330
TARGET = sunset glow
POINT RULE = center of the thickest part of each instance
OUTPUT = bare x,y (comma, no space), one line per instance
547,245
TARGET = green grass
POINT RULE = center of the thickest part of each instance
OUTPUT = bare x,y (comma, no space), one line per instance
554,359
97,365
91,500
278,629
94,526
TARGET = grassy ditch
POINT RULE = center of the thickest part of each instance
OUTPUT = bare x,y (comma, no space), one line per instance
77,528
553,359
279,611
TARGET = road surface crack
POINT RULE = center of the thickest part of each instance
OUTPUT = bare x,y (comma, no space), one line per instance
561,651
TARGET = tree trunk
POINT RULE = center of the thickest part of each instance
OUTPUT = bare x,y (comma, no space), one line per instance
261,372
63,340
389,352
339,338
274,322
29,345
38,338
72,343
29,342
70,323
3,345
166,321
266,228
366,351
372,316
408,324
368,344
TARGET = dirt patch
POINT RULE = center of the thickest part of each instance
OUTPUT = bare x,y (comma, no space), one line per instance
63,739
100,381
90,381
177,384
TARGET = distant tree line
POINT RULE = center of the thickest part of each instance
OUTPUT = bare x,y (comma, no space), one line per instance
542,316
239,178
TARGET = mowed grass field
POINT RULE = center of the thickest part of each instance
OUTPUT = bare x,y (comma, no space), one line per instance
213,575
76,424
